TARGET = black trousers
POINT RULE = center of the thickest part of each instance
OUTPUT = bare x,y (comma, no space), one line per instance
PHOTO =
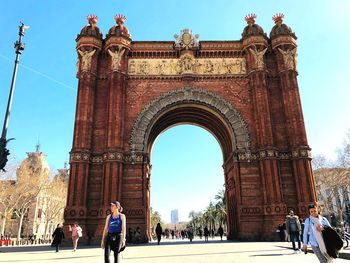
57,247
294,236
113,243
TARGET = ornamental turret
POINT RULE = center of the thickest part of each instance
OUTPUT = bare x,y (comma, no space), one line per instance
284,44
89,43
254,43
118,41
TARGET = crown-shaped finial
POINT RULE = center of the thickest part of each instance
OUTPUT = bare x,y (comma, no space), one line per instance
278,17
250,18
119,18
92,19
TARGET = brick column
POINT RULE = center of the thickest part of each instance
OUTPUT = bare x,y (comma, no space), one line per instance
285,50
269,170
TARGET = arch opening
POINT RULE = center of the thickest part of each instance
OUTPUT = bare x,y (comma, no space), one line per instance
186,172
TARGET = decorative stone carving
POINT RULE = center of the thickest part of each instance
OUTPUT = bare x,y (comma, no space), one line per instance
86,57
137,92
116,57
133,212
258,57
251,210
186,40
138,138
230,185
79,157
249,156
289,58
187,63
240,90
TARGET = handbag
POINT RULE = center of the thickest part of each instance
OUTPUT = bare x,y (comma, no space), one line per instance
332,241
80,233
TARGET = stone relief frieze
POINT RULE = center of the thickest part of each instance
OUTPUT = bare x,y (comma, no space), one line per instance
187,64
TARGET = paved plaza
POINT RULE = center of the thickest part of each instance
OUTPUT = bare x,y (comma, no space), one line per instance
214,251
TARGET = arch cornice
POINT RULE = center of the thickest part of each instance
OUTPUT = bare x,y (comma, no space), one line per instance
138,140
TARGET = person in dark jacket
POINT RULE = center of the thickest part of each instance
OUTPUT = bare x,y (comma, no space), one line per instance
221,231
293,228
206,233
57,235
159,232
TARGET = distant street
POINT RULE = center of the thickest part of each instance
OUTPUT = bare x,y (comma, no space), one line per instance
214,251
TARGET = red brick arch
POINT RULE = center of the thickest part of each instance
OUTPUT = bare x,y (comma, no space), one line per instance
244,92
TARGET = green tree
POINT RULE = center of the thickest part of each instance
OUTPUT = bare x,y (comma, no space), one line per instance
220,207
155,219
210,216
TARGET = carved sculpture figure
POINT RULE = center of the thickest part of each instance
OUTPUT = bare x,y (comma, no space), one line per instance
144,69
258,57
86,59
161,67
209,67
132,67
116,57
288,58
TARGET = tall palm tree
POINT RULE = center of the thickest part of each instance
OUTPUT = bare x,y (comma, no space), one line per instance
220,214
220,207
209,216
155,219
221,197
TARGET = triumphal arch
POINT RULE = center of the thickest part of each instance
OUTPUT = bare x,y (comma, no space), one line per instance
245,92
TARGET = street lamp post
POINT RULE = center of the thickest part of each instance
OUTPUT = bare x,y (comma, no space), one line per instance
19,47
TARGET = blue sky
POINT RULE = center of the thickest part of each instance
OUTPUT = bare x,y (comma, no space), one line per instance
45,95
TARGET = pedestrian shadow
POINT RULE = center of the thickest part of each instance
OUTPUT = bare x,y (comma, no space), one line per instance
35,249
211,253
51,259
184,242
269,255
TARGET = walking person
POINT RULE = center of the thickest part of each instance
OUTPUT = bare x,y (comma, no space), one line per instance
57,235
206,233
113,237
190,233
77,232
314,225
221,231
159,232
293,228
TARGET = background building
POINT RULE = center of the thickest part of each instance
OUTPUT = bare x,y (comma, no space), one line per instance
33,203
174,216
